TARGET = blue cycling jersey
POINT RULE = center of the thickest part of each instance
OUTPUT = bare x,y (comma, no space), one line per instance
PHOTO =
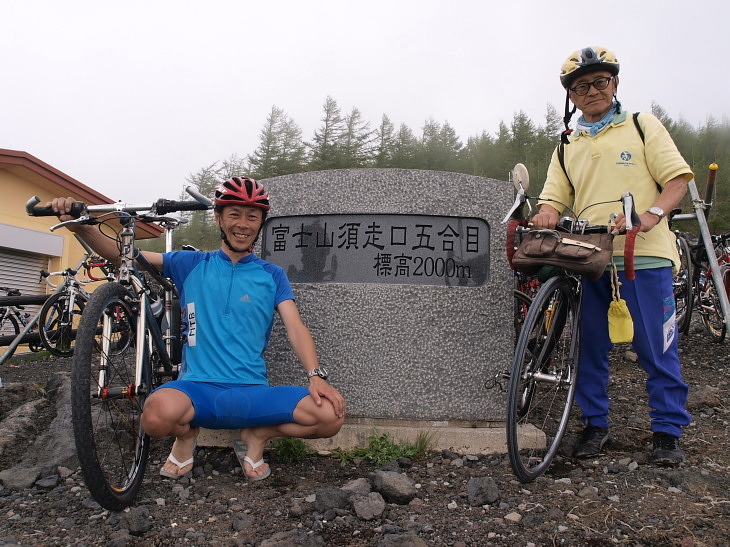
228,310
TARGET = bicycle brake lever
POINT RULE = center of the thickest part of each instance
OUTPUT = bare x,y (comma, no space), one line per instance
632,218
520,199
81,220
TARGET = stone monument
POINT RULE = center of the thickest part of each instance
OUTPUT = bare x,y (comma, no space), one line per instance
402,278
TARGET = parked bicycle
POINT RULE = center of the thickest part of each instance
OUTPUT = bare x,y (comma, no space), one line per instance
61,313
124,350
525,286
542,379
708,269
13,319
683,283
707,296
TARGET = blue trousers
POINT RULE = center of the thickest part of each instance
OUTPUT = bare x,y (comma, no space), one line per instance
650,300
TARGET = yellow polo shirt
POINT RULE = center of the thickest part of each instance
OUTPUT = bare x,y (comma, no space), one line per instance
616,160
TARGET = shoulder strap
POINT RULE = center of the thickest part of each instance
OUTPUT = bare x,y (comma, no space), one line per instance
561,159
638,126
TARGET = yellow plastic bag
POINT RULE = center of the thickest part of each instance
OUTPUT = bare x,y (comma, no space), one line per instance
620,324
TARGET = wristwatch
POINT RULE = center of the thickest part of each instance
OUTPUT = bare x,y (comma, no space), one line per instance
658,211
319,371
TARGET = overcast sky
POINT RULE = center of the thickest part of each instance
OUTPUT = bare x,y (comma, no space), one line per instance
132,97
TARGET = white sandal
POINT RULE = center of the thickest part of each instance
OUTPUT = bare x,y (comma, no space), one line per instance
256,465
240,449
169,474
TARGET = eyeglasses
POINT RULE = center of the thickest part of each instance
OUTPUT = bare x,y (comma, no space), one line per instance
599,83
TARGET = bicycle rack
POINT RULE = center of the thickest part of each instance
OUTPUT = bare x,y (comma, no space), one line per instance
702,211
33,320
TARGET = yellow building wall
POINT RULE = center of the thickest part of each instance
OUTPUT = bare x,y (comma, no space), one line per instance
23,176
16,191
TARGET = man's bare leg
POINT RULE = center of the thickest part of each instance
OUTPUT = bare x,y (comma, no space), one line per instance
312,422
168,412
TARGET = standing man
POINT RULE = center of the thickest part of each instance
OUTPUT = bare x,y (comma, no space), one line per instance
231,295
609,153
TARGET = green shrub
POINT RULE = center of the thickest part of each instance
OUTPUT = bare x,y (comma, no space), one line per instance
291,450
382,448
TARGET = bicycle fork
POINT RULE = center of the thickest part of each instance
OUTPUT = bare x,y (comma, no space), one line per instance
550,367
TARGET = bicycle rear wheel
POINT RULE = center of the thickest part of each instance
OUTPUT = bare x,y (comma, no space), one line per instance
710,309
683,287
109,391
542,381
9,327
57,325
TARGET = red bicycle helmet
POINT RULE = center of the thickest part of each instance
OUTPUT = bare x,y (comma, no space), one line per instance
242,191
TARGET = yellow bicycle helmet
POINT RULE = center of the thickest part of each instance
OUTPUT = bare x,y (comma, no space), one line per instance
587,60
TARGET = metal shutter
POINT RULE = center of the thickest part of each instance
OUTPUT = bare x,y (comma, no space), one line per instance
20,270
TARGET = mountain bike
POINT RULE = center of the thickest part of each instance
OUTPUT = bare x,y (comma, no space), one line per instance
125,348
542,379
61,313
12,320
706,291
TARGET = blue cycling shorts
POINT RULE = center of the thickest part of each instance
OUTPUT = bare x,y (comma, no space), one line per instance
236,406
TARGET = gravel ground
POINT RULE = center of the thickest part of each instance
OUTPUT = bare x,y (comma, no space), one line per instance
448,499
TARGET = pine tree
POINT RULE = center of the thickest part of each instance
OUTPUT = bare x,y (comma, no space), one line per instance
325,150
356,141
384,143
280,149
405,148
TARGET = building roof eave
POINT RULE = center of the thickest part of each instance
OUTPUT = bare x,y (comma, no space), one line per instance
24,163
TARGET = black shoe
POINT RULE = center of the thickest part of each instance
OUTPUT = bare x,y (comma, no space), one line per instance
666,449
591,442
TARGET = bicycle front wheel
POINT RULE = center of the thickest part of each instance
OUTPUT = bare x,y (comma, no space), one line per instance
58,323
110,386
542,381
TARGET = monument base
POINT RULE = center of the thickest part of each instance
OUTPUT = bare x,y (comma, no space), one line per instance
488,438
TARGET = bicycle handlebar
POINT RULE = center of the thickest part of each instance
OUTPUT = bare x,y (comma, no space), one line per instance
80,210
577,226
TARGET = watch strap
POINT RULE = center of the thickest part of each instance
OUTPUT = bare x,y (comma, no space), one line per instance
319,371
656,211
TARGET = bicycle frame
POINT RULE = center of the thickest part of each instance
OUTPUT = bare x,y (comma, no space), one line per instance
130,275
